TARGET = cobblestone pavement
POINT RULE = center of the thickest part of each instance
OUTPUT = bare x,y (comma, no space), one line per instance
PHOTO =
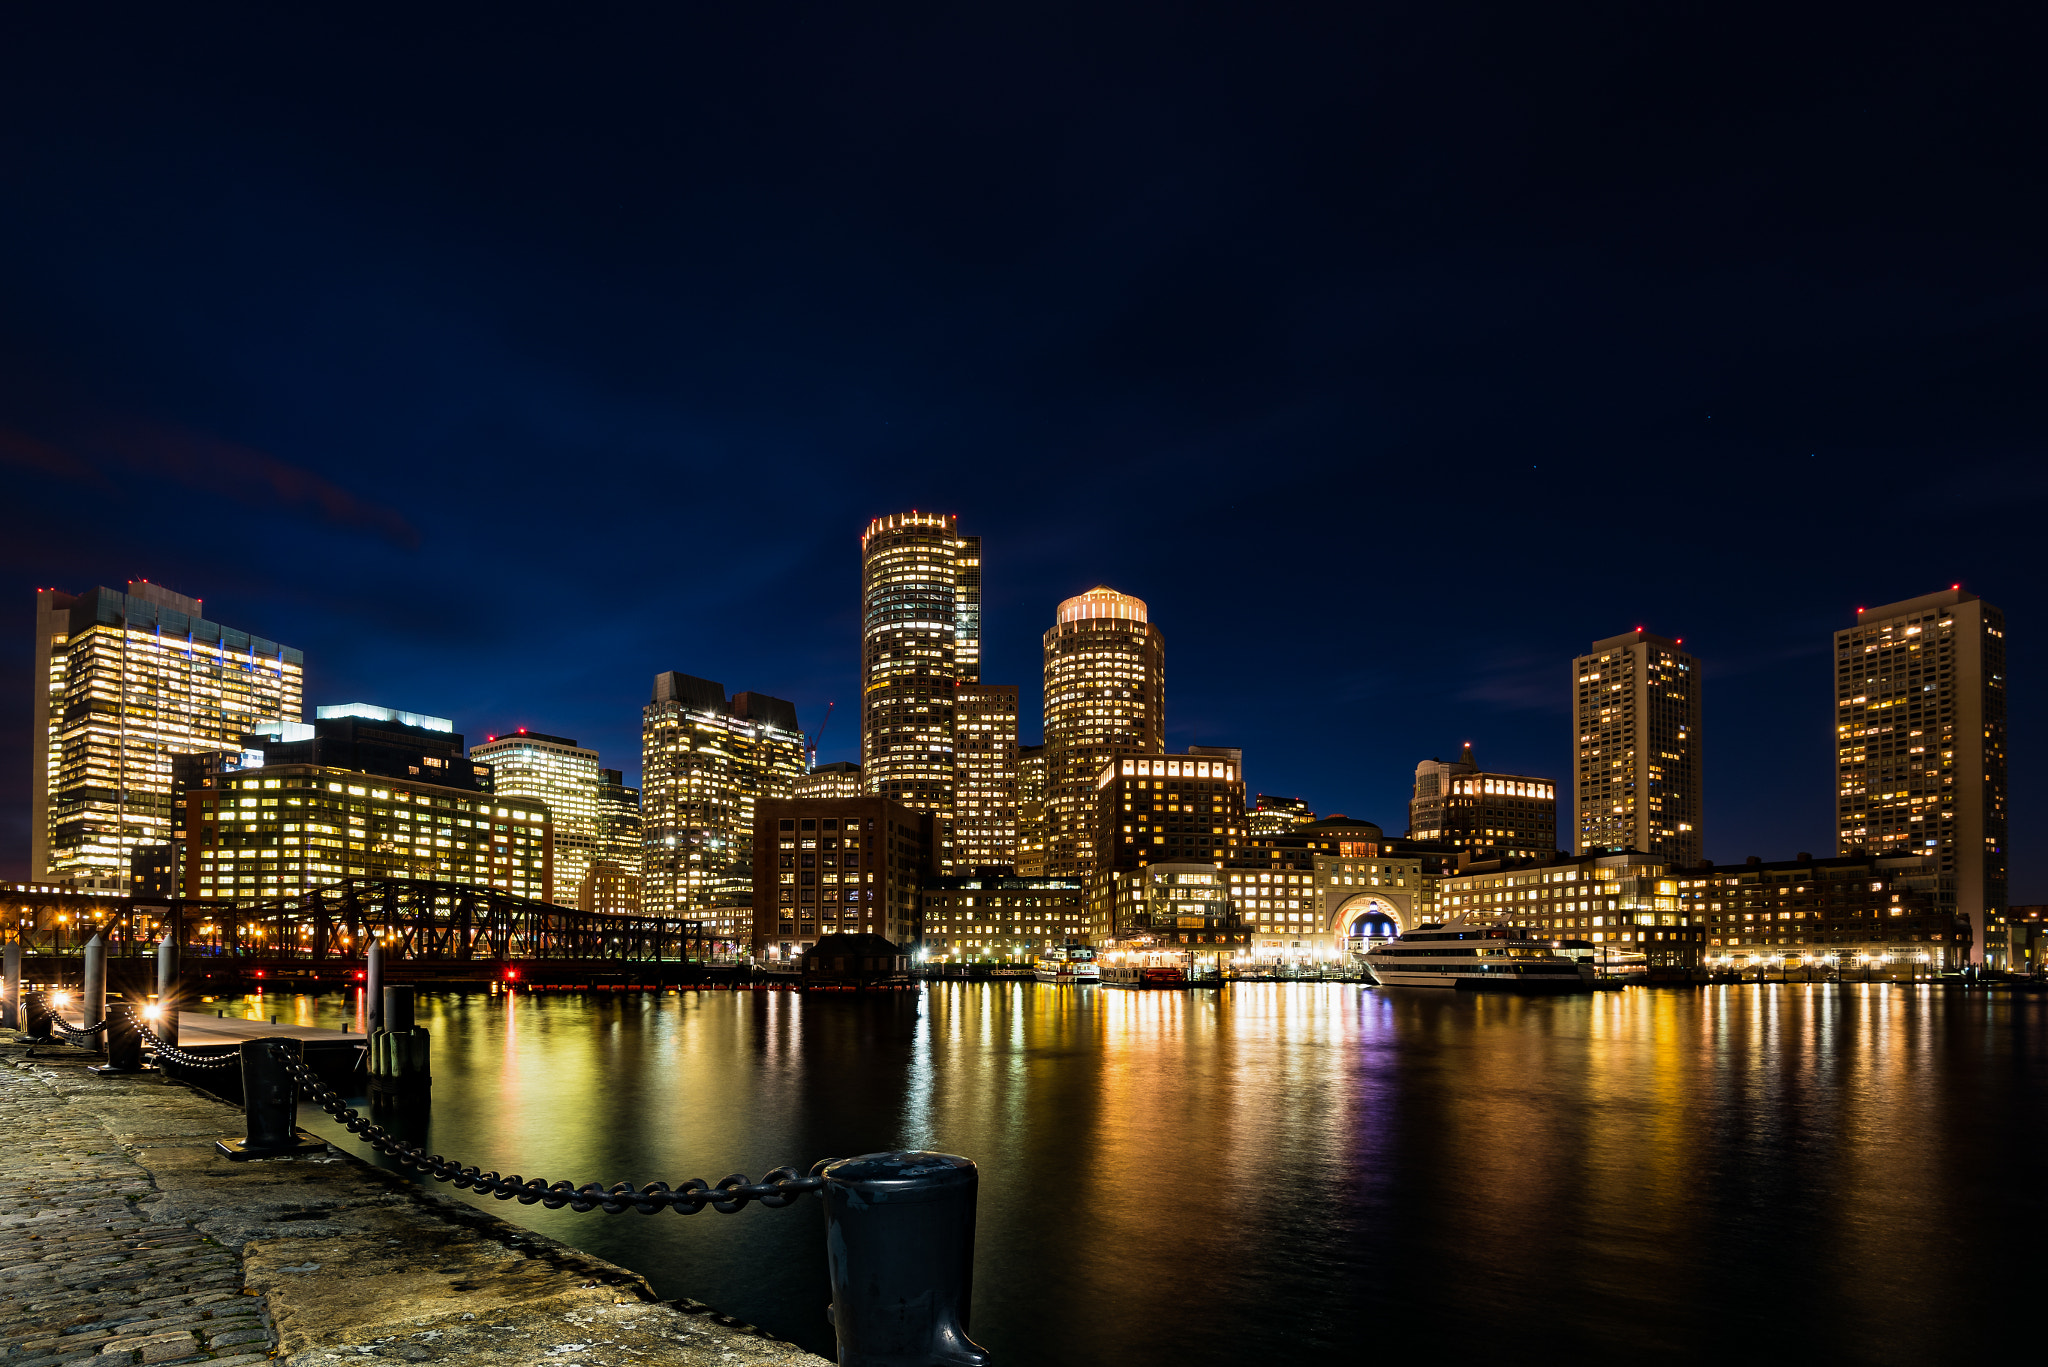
124,1238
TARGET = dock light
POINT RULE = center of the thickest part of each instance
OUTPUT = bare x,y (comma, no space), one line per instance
510,974
150,1013
361,974
60,999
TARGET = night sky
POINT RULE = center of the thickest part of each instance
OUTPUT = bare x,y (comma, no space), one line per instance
1393,353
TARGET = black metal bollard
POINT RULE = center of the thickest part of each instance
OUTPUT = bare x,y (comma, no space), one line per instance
270,1103
38,1019
899,1239
124,1042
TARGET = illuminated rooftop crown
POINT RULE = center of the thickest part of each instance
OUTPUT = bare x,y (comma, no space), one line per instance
896,521
1102,601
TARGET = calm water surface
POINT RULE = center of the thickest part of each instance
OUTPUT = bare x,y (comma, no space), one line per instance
1322,1171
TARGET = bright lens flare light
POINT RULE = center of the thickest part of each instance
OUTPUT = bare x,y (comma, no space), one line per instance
150,1013
60,999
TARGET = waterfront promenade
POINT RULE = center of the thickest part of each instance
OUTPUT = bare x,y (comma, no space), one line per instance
125,1238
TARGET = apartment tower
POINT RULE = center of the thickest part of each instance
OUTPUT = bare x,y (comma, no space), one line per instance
984,775
125,682
564,775
1105,696
705,761
920,636
1636,732
1920,750
1486,815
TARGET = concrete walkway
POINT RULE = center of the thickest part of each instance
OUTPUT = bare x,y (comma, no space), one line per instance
124,1238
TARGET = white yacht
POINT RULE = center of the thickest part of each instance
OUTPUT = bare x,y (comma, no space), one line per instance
1071,962
1472,958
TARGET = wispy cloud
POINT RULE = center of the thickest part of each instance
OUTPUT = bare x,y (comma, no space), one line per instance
208,465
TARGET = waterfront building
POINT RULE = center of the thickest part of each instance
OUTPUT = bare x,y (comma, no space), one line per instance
366,739
1488,815
1636,735
998,914
1160,808
1031,821
1313,892
566,776
285,829
839,779
1105,695
1920,701
1176,908
153,873
124,682
1623,903
1270,815
618,827
920,636
1847,912
830,865
608,887
984,775
706,762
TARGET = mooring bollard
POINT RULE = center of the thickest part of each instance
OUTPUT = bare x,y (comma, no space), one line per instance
400,1052
899,1240
92,1008
39,1020
167,989
270,1103
10,986
124,1043
373,988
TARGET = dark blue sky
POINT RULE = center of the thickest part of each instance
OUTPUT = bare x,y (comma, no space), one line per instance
1392,352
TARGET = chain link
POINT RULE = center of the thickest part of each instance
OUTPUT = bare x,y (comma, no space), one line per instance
777,1189
171,1053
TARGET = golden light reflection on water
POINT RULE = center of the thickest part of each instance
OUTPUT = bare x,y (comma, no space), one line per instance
1170,1176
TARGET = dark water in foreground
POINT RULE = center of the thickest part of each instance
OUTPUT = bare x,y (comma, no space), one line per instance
1321,1172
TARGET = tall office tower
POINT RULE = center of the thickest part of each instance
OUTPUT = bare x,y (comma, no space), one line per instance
1175,810
562,774
1920,749
984,775
1492,816
368,739
612,882
1277,815
1031,825
1636,729
705,760
124,682
838,779
920,635
1105,694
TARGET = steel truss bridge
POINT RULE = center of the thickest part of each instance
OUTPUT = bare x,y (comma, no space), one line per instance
428,929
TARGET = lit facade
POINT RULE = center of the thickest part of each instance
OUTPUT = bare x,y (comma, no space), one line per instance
1623,904
1176,909
125,682
1147,809
920,636
1328,886
286,829
1858,912
706,761
1486,815
1920,701
984,775
564,775
825,866
1031,820
1105,695
1001,917
619,836
1636,735
1271,815
839,779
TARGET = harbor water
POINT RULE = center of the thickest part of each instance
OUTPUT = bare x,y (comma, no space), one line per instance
1321,1171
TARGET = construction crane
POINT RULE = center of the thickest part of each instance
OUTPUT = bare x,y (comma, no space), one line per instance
811,741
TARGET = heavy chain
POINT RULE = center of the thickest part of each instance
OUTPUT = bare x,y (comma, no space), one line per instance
777,1189
171,1053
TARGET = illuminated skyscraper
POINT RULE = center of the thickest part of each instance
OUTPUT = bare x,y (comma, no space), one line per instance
1272,815
125,682
984,775
704,762
1491,816
920,635
838,779
1920,749
1031,823
562,774
1105,695
1636,730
